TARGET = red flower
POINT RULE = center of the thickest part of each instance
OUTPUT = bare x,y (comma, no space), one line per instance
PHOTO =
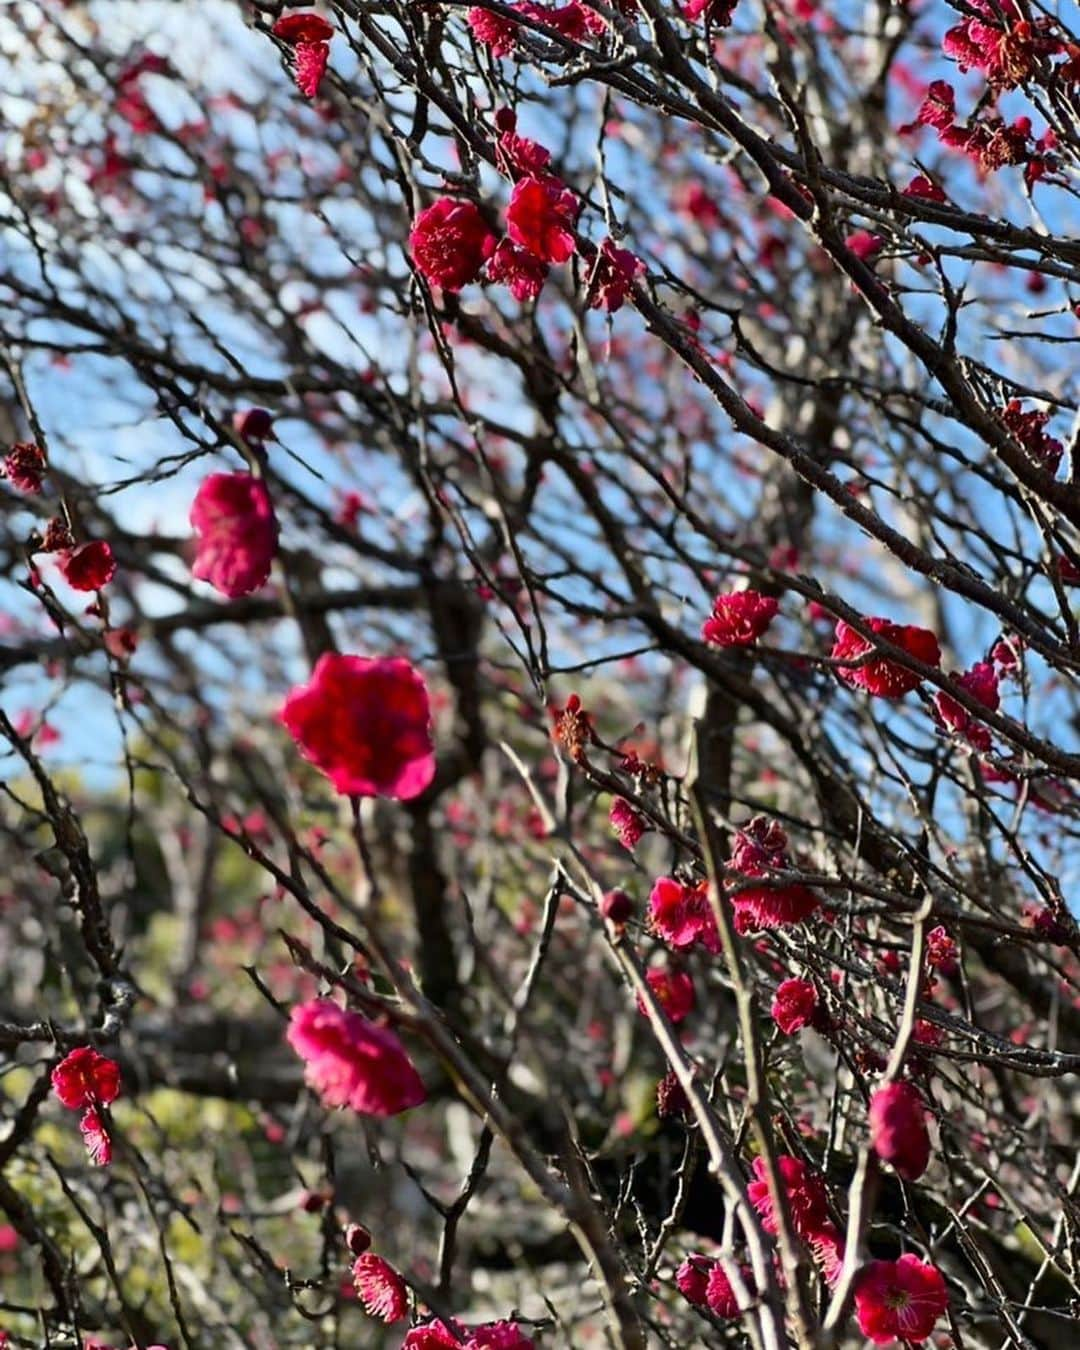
1028,429
760,848
717,12
981,682
494,31
381,1289
309,36
805,1192
519,269
253,425
89,566
616,906
350,1061
884,678
573,20
719,1294
828,1251
1006,49
450,242
517,154
926,188
24,466
365,722
303,27
499,1336
898,1129
793,1005
95,1137
937,110
85,1078
627,824
237,533
541,216
674,991
692,1279
865,245
739,618
901,1299
613,274
682,914
941,952
434,1335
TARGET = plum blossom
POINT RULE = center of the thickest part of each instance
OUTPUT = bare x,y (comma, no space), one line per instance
898,1129
612,276
793,1005
518,269
739,618
884,678
683,916
381,1289
25,466
237,533
758,849
981,682
351,1061
89,566
673,990
365,722
804,1190
450,241
901,1299
540,217
84,1077
308,34
628,825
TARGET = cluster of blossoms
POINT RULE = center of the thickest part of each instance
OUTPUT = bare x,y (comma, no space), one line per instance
385,1295
309,35
989,141
451,242
703,1282
501,34
85,567
87,1081
759,851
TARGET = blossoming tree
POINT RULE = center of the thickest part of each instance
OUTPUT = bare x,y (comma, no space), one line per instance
539,723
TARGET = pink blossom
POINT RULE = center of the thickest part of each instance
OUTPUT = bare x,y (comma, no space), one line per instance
899,1300
682,914
365,722
739,618
793,1005
351,1061
382,1290
898,1129
237,531
628,825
